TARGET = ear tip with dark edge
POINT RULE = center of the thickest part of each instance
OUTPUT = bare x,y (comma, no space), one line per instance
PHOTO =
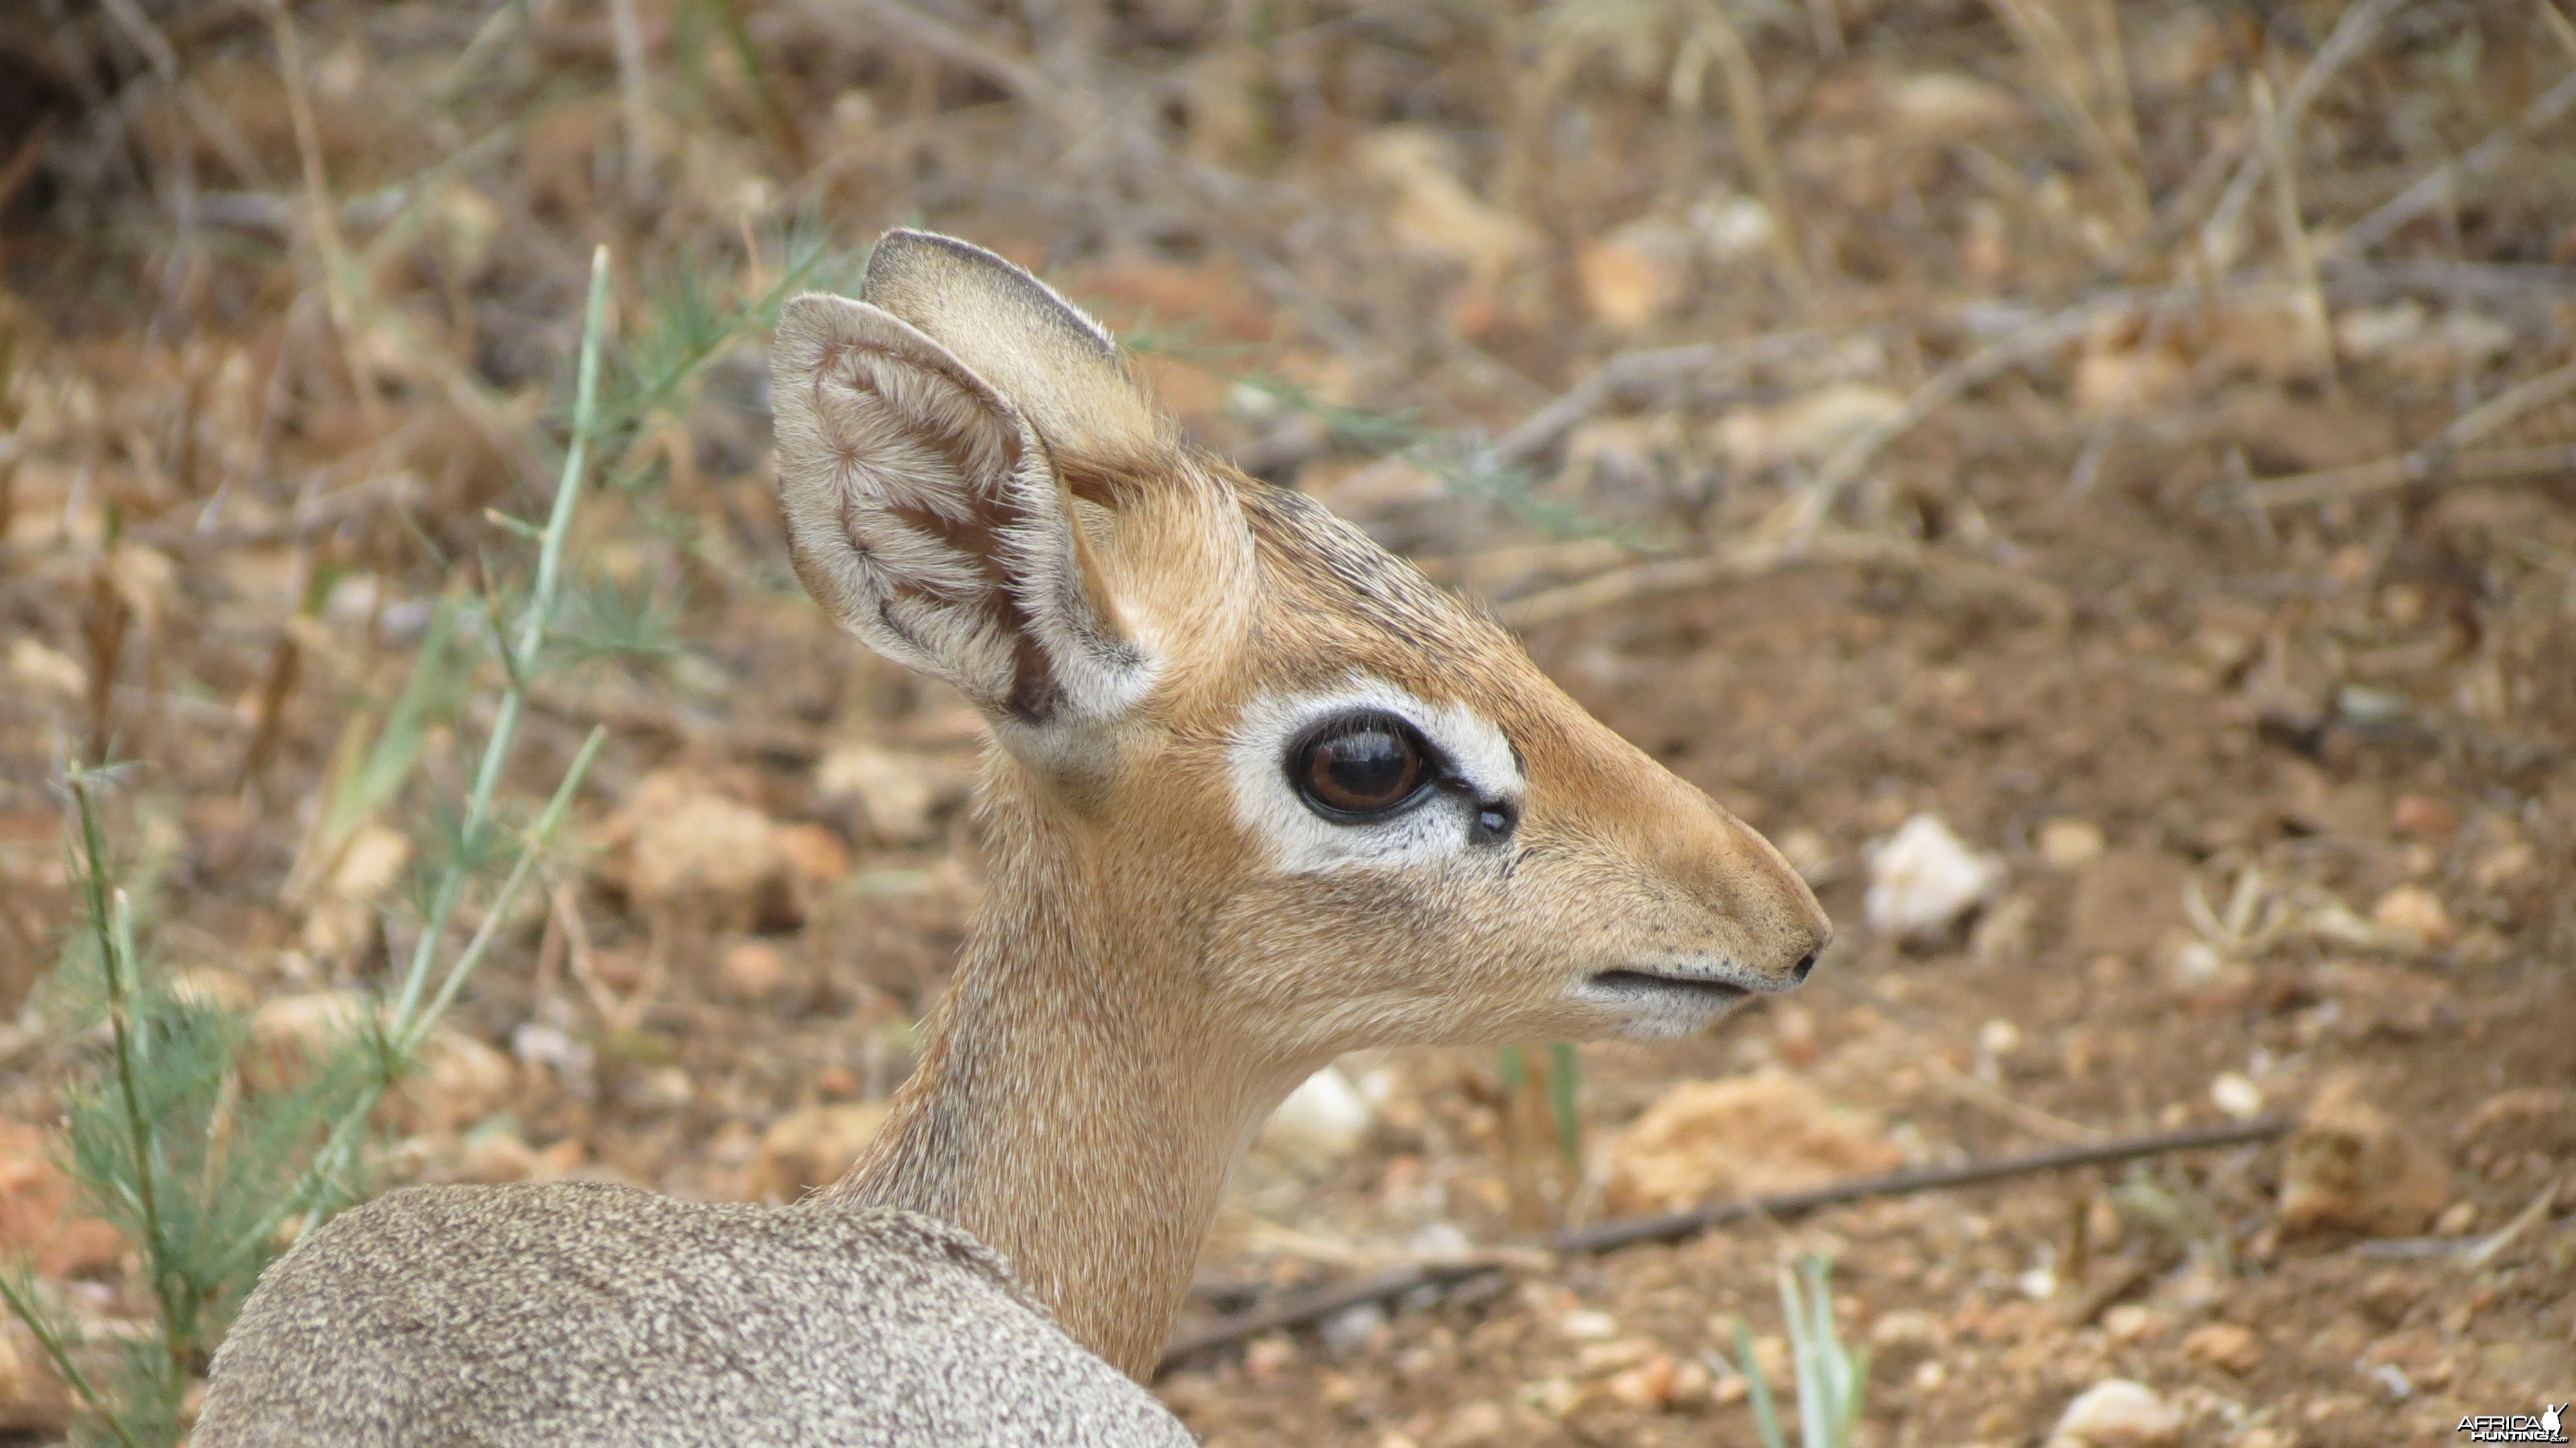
905,248
914,274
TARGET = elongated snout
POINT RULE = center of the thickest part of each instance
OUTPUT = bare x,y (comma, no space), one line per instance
1763,917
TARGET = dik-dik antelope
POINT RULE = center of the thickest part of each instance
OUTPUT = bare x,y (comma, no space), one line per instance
1261,795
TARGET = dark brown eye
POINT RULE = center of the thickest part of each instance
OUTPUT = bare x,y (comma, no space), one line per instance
1363,766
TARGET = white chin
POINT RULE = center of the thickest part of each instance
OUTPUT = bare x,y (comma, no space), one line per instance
1657,1013
1669,1021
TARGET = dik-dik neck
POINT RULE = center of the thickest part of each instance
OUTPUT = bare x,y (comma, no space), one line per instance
1072,1108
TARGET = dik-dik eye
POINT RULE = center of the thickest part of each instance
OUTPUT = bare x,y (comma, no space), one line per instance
1361,767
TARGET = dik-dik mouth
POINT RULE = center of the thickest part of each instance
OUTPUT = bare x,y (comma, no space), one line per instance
1642,984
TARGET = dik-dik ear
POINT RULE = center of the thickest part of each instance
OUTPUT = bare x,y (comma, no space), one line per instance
925,514
1059,368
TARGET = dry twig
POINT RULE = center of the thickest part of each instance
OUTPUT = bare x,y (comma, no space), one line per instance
1630,1231
2440,457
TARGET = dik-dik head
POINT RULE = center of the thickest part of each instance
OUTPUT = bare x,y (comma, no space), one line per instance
1243,747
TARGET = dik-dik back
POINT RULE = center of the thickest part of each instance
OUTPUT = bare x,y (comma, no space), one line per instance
591,1314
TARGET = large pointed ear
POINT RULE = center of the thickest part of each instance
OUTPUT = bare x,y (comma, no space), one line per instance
1059,368
925,514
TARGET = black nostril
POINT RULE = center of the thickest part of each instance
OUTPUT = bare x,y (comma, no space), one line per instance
1807,963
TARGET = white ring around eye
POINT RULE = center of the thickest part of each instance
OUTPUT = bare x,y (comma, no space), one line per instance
1267,806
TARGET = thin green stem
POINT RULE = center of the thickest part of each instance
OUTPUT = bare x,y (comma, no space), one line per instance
1564,1085
472,955
25,1311
111,921
1766,1411
534,620
416,1012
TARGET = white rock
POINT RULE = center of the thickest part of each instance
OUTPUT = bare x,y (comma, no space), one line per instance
1589,1326
896,792
2117,1413
2070,844
52,670
1347,1331
1320,1122
2237,1095
1732,226
1923,878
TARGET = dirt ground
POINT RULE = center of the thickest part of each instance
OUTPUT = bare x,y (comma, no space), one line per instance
2204,562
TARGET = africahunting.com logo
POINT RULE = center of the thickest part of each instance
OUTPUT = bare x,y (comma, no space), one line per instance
2549,1427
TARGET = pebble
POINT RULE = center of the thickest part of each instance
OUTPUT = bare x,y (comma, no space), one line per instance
2117,1413
1924,877
2224,1345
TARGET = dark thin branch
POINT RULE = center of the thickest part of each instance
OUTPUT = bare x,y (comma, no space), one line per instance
1629,1231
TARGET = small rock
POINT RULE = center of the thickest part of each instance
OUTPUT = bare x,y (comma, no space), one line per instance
2132,1323
1474,1426
752,969
1905,1335
1741,1137
1588,1326
2415,913
2425,819
2225,1346
498,1155
2539,1106
683,845
2351,1167
896,797
2236,1095
2456,1219
370,863
814,853
2502,865
1352,1329
1597,1358
461,1081
1321,1122
2117,1413
1647,1387
663,1088
1270,1357
1731,226
810,1149
51,670
1923,878
2070,844
1635,274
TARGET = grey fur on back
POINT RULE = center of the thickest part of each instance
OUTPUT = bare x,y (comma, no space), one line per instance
586,1313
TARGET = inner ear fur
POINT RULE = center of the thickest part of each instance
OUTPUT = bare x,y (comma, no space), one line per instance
925,514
